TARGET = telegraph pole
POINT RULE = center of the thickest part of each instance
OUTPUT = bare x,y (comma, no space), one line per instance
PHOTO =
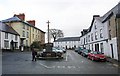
48,30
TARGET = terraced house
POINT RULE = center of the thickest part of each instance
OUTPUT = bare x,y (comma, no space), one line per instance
103,34
67,42
26,29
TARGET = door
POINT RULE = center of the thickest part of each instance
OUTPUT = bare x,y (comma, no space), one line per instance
112,50
96,47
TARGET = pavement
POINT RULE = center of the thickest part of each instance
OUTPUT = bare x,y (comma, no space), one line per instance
114,62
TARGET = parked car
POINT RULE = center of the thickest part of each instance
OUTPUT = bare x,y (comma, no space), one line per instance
95,55
85,52
64,50
58,51
78,49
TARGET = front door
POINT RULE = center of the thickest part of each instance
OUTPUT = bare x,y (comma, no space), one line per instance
112,50
96,47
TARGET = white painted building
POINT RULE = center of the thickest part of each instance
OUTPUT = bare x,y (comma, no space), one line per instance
96,37
9,37
101,35
67,42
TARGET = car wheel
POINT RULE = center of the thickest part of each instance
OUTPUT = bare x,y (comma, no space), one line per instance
92,58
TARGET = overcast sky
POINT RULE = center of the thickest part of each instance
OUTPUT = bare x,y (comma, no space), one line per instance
71,16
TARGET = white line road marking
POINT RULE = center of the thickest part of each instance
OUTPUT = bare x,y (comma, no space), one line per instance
69,67
46,66
66,57
60,66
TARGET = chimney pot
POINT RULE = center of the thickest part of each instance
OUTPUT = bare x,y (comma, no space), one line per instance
32,22
20,16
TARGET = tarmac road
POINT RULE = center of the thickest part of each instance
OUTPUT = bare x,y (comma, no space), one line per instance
73,63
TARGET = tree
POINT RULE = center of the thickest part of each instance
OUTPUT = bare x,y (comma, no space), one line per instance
36,44
56,33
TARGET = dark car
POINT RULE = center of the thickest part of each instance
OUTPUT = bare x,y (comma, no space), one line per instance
98,56
78,49
85,52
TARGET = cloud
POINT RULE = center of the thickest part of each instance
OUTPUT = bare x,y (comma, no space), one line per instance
71,16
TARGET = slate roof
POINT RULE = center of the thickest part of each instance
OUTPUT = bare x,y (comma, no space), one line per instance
6,28
68,39
114,11
12,19
16,19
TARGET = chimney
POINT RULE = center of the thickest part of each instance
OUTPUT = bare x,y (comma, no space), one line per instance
32,22
96,15
21,16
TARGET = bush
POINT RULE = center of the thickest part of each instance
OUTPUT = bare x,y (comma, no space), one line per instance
36,45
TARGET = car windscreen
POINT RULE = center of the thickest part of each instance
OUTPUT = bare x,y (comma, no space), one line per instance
97,52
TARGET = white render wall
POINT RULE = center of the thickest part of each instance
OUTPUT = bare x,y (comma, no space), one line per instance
69,44
10,38
106,42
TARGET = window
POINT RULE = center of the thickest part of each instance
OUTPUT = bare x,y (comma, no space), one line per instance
101,34
26,42
6,35
92,37
15,37
12,36
84,40
36,30
27,27
23,26
101,45
95,25
27,34
33,36
23,34
89,38
36,36
96,36
6,44
110,34
33,29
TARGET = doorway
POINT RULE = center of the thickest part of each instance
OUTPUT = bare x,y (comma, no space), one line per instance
96,47
112,50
